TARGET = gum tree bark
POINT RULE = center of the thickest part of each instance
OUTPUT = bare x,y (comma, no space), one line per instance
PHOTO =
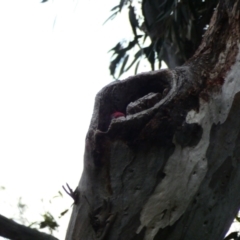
170,169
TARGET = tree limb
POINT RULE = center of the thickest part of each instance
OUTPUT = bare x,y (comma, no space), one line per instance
15,231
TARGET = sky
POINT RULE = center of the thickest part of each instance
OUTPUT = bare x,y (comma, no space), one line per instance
53,59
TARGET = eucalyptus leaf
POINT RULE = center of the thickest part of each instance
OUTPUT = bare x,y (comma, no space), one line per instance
162,16
63,212
121,4
111,17
180,23
123,65
114,8
232,236
136,57
136,68
133,20
150,55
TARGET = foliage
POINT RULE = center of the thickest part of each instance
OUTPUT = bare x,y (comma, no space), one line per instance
233,236
48,222
175,28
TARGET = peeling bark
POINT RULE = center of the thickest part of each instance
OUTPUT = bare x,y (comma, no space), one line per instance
170,169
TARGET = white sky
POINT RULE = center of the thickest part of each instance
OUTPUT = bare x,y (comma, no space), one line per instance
53,60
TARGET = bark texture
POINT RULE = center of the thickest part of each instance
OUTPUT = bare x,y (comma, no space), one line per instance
170,169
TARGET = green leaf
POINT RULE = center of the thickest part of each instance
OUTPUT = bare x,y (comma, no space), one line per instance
162,5
145,37
178,40
170,4
232,236
48,221
59,195
160,56
63,213
117,48
165,10
114,8
185,13
111,17
32,224
136,68
193,9
136,57
133,20
150,54
121,4
123,65
162,16
116,61
237,218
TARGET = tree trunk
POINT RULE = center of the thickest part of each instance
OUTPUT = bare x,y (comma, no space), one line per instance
170,169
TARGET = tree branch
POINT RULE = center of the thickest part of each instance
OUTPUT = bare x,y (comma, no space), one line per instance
15,231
